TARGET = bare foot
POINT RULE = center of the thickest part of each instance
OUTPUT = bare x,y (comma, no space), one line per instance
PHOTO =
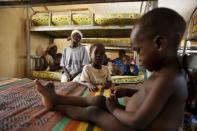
48,94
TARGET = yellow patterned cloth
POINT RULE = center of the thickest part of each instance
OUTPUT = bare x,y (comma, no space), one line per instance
127,79
59,20
41,19
82,19
116,19
47,75
115,79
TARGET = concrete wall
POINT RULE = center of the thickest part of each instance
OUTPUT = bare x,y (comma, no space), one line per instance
183,7
39,44
12,42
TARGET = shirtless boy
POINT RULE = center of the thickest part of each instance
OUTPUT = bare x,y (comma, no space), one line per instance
159,103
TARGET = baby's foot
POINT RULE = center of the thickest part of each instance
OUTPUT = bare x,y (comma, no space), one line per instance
48,94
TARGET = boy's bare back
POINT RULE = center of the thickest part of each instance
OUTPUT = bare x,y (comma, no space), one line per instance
160,101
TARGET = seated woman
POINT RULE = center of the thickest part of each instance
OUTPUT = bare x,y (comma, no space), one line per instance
52,58
95,73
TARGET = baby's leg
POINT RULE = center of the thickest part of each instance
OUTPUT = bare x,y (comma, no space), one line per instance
93,114
50,98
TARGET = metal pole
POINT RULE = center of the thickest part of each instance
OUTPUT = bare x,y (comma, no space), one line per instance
28,44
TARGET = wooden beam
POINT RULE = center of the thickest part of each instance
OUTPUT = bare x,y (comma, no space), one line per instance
22,3
79,27
46,8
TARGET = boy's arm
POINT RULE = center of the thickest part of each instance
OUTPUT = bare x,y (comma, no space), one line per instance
108,83
91,87
148,111
85,79
121,92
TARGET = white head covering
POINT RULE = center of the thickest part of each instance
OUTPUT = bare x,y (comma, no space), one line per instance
76,31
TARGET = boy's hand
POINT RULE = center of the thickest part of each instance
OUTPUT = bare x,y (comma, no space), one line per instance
92,88
111,104
118,92
107,85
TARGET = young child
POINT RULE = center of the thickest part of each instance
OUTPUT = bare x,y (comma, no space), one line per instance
159,103
95,73
52,58
118,61
127,68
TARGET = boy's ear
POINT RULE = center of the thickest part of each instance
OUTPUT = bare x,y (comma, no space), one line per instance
160,42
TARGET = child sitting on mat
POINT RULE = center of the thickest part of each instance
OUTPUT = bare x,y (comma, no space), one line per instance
96,73
51,59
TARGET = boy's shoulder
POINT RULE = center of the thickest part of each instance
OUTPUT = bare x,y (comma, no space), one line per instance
104,67
88,66
169,83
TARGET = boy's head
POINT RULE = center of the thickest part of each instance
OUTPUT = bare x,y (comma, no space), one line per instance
157,35
75,37
97,53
